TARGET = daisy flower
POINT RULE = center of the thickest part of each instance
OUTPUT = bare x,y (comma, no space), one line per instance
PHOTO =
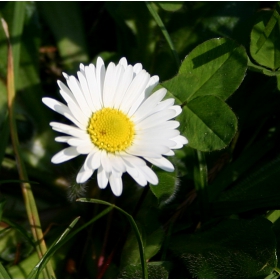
117,122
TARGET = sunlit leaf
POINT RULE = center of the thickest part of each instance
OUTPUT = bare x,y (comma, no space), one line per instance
269,27
170,6
216,67
268,54
209,123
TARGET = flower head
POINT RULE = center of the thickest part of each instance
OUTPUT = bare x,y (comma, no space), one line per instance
118,123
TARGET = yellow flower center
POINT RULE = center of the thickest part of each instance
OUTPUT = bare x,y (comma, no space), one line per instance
110,130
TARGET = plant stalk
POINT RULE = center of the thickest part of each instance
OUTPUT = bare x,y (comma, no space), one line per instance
29,200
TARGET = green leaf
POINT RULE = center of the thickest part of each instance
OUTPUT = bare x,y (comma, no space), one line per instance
237,168
216,67
231,249
72,45
269,27
3,272
156,270
256,190
209,123
133,226
170,6
266,53
278,82
166,187
61,241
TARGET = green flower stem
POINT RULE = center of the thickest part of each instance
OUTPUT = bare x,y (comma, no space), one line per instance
159,22
200,177
134,227
29,200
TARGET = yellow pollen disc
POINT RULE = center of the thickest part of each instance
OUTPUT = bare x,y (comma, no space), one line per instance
110,130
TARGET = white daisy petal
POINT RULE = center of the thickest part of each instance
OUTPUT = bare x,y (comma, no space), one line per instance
62,139
162,163
170,153
79,142
180,141
65,155
94,160
118,123
102,178
109,87
178,109
156,119
149,174
83,175
148,105
85,149
100,75
135,89
116,185
105,161
123,62
151,85
86,92
139,177
61,109
123,85
94,90
75,88
137,68
166,104
69,129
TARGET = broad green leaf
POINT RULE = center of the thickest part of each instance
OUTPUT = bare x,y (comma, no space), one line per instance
152,242
268,54
216,67
231,249
209,123
170,6
156,270
269,27
166,188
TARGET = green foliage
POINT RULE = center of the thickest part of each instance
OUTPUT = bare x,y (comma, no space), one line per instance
217,214
226,252
265,42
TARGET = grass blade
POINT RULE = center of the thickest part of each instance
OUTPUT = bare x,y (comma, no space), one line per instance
29,200
61,241
164,31
134,227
